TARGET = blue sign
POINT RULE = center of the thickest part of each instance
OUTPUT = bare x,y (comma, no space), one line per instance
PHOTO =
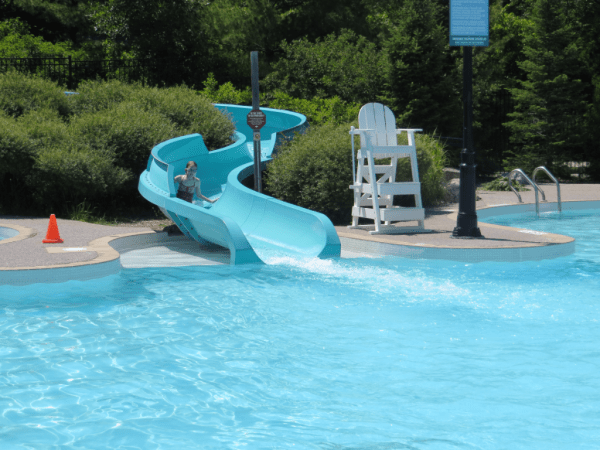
469,23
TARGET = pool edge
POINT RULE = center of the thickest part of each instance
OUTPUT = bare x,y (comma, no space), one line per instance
562,246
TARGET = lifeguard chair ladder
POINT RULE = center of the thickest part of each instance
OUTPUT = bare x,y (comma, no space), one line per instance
373,198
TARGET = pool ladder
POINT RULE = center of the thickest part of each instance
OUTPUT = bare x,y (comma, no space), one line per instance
536,188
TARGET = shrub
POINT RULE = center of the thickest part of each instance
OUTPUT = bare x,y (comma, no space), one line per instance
100,95
189,112
431,160
501,184
65,176
50,158
21,93
124,132
184,108
226,93
44,127
16,149
318,110
315,171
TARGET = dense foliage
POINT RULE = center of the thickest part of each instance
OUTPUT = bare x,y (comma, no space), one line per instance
57,152
314,171
536,87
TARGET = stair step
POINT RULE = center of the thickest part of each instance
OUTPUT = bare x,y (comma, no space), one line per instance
390,214
408,188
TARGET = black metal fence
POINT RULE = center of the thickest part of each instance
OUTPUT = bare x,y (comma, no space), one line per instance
69,72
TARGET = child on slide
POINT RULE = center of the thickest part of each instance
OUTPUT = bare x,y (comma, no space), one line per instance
188,183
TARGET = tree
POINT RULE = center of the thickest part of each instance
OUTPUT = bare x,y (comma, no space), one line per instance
495,70
156,29
55,20
587,14
16,41
550,105
422,80
347,66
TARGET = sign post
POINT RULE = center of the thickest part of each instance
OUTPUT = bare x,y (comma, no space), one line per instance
469,27
256,119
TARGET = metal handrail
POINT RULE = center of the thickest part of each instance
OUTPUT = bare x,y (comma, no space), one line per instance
535,188
553,179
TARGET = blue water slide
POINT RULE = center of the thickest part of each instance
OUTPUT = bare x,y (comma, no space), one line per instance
242,219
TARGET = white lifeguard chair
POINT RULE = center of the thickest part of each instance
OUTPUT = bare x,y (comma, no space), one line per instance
373,197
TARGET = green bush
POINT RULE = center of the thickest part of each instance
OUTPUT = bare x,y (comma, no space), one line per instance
21,93
44,127
315,171
501,184
226,93
184,108
318,110
125,132
17,151
431,160
96,96
59,152
65,176
189,112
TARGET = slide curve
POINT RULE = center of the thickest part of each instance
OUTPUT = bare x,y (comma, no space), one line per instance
242,220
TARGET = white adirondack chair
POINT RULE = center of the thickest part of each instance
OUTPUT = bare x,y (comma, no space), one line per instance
373,198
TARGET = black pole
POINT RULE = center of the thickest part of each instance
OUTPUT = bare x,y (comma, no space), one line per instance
466,222
70,80
256,136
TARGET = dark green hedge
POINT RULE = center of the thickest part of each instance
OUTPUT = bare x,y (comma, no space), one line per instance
58,151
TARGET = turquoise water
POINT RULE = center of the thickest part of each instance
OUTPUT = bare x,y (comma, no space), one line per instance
6,233
384,353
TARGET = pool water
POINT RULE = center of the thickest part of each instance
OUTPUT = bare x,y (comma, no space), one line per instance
6,233
384,353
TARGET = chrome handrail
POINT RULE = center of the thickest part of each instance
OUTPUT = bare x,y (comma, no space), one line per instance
535,188
553,179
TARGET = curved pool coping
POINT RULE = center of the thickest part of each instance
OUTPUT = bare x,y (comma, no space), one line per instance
556,246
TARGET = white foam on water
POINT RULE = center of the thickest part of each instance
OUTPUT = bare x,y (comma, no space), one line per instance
372,276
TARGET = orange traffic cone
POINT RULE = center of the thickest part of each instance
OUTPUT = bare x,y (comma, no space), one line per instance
52,236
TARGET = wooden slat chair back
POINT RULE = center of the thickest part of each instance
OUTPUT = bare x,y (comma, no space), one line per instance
373,196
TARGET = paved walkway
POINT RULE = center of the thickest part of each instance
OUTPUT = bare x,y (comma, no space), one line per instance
90,244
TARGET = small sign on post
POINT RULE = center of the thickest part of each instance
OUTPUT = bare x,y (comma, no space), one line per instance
256,119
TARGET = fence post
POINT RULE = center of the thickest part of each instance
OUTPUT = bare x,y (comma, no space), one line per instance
70,79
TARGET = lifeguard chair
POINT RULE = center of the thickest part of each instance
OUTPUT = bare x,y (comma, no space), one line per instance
374,197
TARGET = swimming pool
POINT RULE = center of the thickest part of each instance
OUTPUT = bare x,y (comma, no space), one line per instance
7,233
383,353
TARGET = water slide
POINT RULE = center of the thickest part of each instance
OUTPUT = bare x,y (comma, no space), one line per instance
242,220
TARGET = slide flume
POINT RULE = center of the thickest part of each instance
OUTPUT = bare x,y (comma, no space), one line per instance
242,219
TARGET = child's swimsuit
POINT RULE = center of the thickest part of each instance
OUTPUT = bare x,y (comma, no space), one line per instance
186,192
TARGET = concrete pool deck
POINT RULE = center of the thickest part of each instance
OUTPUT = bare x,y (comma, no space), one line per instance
92,251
